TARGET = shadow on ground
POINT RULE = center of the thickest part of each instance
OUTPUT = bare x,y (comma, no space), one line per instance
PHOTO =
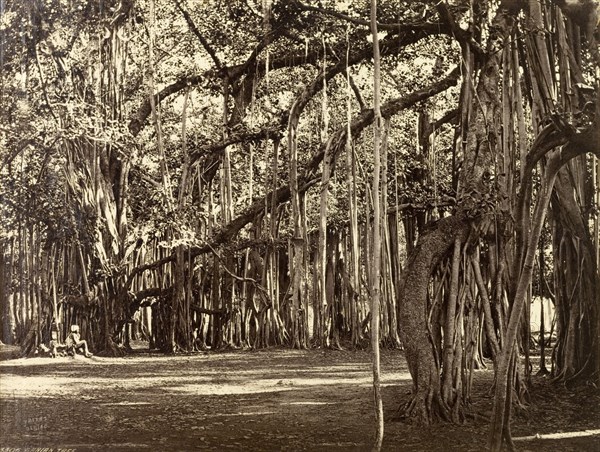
251,401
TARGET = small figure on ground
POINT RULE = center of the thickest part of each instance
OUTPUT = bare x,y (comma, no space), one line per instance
56,348
75,342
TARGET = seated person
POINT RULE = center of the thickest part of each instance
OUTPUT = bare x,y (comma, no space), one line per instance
56,348
75,342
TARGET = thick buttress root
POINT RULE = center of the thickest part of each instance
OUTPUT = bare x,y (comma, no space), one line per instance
424,407
112,349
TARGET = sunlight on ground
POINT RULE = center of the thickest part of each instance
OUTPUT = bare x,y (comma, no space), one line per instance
203,380
256,387
126,403
42,386
248,413
270,385
45,361
309,403
288,400
559,435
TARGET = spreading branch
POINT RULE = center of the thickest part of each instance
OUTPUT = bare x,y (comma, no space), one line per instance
136,123
309,176
235,138
395,27
199,35
253,67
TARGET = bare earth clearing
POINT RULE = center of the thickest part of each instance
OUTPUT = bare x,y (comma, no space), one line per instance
254,400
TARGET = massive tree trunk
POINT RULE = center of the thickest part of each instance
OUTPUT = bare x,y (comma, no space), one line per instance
576,277
433,245
436,241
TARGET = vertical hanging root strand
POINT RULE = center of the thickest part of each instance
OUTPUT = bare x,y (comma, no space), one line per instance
375,282
449,327
508,404
501,411
485,299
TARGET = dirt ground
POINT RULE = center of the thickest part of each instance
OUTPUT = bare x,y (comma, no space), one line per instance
267,400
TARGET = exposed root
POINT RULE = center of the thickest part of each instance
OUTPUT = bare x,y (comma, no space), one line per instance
427,409
112,349
477,416
543,372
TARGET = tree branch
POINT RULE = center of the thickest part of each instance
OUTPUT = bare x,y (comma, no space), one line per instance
396,27
389,46
357,93
143,112
335,145
273,132
201,38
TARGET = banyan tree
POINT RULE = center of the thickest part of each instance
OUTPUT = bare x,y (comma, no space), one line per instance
198,175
